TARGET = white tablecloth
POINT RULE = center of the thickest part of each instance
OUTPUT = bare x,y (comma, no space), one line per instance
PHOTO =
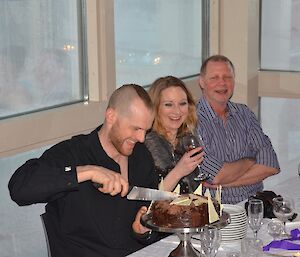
288,188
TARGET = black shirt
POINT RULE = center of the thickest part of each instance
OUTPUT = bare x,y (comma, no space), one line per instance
80,220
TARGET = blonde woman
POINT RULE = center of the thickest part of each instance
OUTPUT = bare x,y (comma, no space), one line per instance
175,115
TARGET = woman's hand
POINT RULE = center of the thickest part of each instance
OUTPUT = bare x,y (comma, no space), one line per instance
186,165
189,161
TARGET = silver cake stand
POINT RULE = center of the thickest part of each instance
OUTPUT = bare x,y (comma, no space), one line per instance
185,247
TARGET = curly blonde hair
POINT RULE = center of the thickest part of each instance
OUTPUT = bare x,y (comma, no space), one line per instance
155,93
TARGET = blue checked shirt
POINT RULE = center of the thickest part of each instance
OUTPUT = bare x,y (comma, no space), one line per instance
241,137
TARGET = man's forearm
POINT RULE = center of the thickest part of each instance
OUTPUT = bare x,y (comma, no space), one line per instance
255,174
233,170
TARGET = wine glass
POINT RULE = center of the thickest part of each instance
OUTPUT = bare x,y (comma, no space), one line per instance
283,209
255,215
210,241
191,141
275,229
252,247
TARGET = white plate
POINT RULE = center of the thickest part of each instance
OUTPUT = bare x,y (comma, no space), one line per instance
233,231
237,222
228,239
236,225
233,209
237,217
233,234
238,214
238,236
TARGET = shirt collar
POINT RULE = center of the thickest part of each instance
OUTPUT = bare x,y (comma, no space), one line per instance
205,107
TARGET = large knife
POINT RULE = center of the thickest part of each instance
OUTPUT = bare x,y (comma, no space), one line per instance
146,194
149,194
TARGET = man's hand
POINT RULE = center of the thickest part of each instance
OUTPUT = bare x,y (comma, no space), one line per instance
136,225
209,185
112,182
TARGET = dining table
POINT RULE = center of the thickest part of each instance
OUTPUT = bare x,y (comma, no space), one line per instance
288,188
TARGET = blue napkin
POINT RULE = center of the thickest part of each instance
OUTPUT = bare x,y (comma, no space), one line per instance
285,243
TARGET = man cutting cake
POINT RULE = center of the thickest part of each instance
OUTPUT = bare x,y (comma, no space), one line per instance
82,220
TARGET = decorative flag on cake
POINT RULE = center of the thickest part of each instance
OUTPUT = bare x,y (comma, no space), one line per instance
182,200
219,197
177,189
212,213
161,185
198,190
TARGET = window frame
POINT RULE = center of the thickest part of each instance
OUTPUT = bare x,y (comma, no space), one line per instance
29,131
276,83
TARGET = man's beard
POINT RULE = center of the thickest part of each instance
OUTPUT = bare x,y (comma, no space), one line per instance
116,141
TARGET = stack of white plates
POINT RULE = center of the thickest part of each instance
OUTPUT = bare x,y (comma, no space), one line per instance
237,229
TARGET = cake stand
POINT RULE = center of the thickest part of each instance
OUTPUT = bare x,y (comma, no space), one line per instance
185,247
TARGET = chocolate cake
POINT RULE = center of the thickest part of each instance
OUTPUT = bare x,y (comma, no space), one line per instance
185,211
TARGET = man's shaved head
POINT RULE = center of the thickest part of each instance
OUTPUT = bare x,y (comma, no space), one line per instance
129,115
123,97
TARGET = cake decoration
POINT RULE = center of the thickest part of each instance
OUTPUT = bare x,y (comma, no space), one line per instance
212,213
177,189
200,201
161,185
185,201
207,193
219,197
198,190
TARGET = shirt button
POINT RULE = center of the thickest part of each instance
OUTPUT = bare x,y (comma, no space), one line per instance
68,169
69,184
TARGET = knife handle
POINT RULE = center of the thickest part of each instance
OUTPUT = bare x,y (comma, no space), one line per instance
98,185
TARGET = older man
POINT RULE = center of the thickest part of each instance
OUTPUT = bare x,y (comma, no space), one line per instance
80,219
239,156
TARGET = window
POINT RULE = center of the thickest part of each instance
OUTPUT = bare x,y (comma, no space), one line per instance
155,38
40,55
280,35
284,132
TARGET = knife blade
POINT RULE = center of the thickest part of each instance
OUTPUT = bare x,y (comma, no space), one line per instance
145,194
149,194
